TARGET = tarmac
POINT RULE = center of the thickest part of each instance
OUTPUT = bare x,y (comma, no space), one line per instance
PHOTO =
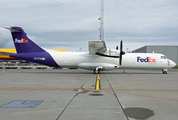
69,94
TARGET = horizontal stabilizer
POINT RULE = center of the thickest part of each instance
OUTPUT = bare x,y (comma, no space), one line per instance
13,29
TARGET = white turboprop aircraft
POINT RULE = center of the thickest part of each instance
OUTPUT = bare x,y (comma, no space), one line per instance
98,58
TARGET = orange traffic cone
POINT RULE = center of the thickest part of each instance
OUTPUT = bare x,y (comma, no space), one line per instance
123,71
3,71
129,73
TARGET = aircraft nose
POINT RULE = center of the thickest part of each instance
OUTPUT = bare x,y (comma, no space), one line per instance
173,64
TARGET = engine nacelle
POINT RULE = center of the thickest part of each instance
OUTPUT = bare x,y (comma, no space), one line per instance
93,66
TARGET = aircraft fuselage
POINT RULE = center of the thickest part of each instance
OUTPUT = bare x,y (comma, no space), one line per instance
86,61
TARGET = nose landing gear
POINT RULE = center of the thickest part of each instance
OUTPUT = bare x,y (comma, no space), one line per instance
164,71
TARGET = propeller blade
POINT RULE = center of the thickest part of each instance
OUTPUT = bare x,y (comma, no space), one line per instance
121,53
121,45
120,60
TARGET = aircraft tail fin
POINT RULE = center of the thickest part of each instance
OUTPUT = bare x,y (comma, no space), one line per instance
22,43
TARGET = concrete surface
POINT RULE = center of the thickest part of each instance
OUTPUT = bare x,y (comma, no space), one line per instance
69,94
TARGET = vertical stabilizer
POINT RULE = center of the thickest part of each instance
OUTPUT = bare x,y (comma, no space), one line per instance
22,43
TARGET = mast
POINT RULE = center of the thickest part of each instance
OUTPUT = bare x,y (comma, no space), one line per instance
101,20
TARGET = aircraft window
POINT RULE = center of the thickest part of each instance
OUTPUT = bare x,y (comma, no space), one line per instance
163,57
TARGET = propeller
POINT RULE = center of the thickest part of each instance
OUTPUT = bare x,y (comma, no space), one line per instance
121,53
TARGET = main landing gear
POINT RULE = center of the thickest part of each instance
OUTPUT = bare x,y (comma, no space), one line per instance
98,69
164,71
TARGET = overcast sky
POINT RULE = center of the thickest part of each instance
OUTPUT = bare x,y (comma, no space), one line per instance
70,24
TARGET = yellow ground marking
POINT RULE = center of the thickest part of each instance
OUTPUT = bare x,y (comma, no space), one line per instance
172,72
97,86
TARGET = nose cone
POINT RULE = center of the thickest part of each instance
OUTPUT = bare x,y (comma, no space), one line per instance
173,64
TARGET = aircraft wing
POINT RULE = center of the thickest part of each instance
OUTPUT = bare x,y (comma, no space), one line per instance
97,46
7,51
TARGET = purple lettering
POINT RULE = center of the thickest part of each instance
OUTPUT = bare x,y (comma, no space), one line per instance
142,60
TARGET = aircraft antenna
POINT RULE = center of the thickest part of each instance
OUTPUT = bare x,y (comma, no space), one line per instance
101,20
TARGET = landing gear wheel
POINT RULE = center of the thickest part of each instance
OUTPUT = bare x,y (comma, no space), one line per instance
97,71
164,72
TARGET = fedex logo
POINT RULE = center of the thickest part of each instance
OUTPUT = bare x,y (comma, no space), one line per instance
21,41
147,59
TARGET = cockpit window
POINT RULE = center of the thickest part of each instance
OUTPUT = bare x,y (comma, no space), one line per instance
163,57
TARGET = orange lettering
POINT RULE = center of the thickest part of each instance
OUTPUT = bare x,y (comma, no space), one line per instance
149,59
153,60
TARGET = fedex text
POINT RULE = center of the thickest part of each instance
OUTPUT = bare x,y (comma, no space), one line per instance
21,41
147,59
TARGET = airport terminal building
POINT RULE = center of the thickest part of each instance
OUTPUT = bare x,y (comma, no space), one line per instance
171,52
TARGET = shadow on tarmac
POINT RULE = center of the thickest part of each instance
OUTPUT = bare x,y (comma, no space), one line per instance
139,113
